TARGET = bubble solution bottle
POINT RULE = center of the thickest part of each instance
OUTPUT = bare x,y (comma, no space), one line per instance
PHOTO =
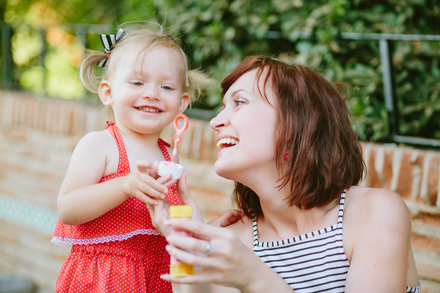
178,269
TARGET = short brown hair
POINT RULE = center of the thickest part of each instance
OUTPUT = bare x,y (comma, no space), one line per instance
324,154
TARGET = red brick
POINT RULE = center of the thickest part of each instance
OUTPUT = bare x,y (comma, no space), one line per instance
405,180
420,162
426,243
388,167
372,175
433,180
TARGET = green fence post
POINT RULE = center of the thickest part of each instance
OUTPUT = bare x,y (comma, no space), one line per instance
8,64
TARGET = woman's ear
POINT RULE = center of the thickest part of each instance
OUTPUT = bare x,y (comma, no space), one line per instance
184,102
105,93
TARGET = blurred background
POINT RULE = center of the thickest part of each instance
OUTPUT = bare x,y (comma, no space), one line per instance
385,53
46,41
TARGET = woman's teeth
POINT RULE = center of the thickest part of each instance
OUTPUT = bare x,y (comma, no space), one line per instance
226,142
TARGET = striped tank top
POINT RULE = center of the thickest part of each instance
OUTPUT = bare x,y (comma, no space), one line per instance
311,262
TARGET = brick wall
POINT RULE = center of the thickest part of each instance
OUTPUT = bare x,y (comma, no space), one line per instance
37,139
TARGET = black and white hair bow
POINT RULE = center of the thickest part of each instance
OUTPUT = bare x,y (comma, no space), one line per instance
109,41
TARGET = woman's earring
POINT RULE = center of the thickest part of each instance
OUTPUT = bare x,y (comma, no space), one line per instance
286,156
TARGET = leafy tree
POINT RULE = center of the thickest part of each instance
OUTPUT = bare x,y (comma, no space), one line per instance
218,34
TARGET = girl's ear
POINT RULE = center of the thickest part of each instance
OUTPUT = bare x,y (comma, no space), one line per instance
184,102
105,93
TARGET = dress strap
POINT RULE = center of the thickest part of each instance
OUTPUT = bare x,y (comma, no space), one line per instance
123,165
341,209
163,148
255,231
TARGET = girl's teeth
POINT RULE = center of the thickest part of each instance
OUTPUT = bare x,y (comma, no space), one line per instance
151,110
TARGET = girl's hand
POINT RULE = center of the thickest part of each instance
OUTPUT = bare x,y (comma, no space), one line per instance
228,218
185,196
142,184
159,212
221,255
159,215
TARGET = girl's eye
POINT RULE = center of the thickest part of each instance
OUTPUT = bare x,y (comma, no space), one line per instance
167,87
136,82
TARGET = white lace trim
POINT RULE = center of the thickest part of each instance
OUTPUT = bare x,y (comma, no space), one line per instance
62,241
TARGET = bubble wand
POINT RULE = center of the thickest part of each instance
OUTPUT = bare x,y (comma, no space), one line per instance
179,131
177,268
171,167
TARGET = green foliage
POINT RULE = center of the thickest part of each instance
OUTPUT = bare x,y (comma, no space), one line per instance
218,34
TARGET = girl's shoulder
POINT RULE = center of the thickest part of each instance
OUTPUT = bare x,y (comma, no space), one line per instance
96,145
97,148
96,137
96,141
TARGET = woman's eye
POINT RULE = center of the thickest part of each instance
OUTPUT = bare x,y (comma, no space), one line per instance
238,102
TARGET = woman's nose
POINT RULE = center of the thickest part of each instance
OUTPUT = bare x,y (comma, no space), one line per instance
219,121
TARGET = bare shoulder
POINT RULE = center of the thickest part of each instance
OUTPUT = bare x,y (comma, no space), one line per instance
243,229
377,202
96,149
375,213
96,140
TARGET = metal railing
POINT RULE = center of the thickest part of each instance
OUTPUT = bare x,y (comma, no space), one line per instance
384,40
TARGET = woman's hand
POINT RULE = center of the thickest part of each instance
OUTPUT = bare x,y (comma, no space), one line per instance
217,251
222,257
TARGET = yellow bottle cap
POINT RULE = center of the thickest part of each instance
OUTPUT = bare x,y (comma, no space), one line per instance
183,211
181,270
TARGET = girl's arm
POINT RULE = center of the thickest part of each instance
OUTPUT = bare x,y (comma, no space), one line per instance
377,228
81,199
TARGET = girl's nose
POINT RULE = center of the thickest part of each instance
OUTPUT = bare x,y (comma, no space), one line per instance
151,93
219,121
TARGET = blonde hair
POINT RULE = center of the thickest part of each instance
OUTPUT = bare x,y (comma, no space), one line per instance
149,35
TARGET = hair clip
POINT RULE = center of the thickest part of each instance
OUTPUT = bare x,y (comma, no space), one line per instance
109,41
186,79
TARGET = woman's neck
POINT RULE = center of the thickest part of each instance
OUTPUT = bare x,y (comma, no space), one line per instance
281,221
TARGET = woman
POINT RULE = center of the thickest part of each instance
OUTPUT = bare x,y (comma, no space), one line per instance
285,138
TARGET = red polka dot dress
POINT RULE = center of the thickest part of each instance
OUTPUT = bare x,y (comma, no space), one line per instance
119,251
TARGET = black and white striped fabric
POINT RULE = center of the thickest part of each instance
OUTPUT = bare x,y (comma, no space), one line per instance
312,262
109,41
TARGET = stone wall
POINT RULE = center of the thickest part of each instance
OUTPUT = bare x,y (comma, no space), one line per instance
37,137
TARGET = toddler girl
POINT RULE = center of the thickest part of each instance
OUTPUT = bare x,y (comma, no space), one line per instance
103,200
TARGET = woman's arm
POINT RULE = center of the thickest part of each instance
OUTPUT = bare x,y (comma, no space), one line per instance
377,228
82,199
